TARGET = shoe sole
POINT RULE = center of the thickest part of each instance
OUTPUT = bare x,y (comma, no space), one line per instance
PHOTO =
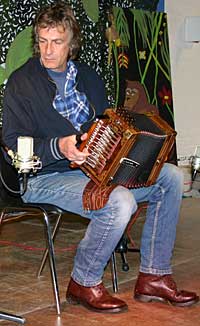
149,298
75,301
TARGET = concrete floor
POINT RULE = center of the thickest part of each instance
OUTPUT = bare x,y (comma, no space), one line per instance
24,294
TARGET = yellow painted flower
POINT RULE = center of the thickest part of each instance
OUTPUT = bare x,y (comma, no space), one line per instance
142,55
118,42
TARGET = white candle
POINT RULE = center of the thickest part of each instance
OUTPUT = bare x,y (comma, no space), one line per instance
25,146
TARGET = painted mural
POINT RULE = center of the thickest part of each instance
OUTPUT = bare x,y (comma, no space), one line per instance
141,54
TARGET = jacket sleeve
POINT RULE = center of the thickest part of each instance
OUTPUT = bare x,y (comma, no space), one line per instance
18,120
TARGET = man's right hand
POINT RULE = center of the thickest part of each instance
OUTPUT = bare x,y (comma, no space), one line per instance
67,146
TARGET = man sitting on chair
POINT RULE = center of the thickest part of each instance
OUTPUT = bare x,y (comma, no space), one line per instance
53,98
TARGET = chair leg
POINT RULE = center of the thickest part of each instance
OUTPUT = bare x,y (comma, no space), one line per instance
125,265
10,317
52,262
122,248
45,254
114,272
39,212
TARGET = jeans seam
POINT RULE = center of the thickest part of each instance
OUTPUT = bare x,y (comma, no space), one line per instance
154,235
155,228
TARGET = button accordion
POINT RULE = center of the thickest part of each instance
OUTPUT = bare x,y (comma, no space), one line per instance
127,149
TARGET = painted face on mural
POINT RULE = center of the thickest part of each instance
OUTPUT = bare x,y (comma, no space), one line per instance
54,47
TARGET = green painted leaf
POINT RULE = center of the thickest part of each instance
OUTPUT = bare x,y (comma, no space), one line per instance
121,24
20,51
92,9
2,75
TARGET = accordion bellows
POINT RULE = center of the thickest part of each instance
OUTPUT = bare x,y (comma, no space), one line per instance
127,149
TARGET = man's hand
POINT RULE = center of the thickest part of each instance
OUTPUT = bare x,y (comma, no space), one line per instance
67,146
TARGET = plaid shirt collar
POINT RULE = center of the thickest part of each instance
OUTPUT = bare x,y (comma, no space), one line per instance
75,106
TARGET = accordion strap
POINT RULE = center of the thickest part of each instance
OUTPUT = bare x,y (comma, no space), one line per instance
96,197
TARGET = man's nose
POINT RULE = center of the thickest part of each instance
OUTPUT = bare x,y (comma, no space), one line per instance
49,48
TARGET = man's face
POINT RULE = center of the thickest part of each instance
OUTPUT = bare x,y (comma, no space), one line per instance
54,47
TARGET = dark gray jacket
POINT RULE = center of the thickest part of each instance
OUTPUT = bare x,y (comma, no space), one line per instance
28,110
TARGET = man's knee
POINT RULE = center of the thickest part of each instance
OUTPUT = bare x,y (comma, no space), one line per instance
173,173
122,200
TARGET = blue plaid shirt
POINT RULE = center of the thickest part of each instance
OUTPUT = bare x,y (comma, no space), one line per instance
74,106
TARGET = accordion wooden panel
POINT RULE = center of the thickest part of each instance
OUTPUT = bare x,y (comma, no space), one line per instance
126,148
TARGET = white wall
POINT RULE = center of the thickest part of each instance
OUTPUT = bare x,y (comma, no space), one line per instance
185,70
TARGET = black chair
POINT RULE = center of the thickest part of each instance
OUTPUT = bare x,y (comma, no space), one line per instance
60,213
13,209
126,244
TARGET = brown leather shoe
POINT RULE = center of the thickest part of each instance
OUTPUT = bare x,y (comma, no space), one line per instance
95,298
162,288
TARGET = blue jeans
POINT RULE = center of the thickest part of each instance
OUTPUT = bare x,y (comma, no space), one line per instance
107,225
